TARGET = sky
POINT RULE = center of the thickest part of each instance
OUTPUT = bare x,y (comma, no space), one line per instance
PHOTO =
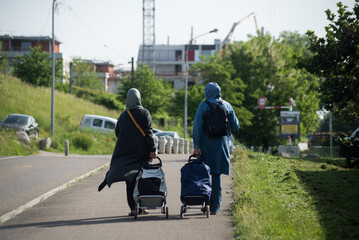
112,29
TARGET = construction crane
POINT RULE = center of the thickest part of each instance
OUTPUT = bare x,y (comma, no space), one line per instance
227,40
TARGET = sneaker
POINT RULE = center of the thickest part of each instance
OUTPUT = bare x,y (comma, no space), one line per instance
214,213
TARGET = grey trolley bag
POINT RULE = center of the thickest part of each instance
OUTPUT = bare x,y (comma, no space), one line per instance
150,189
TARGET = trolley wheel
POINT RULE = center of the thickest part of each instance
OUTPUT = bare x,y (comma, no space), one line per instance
136,212
166,212
207,211
182,211
204,210
185,208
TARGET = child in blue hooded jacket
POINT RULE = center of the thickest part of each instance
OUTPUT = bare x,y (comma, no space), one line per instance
214,151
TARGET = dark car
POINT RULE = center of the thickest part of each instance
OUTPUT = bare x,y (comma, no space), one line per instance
350,146
21,122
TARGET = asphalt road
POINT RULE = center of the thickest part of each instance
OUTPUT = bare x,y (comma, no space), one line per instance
80,212
23,179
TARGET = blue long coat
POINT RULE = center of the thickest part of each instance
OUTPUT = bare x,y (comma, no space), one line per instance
215,151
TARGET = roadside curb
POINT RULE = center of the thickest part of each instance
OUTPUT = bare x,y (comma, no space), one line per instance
50,193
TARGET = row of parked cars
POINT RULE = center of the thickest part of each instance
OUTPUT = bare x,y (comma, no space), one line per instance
107,124
28,124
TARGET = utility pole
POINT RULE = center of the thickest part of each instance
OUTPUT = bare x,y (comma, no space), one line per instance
132,74
71,78
53,70
331,134
187,48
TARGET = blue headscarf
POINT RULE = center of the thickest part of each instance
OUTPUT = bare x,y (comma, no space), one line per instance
212,91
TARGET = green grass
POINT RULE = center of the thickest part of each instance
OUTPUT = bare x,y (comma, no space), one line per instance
279,198
9,146
19,97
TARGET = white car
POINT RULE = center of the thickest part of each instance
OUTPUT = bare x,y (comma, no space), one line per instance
167,134
98,123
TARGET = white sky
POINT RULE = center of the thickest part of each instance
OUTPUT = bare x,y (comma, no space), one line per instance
112,29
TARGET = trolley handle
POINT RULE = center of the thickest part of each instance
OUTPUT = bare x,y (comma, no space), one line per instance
150,165
192,160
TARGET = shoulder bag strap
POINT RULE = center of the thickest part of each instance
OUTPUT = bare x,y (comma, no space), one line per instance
136,124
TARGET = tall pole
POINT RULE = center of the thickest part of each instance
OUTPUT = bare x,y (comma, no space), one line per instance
53,70
186,87
132,74
186,78
71,77
331,134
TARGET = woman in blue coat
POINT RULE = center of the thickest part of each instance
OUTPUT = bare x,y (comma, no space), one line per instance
214,151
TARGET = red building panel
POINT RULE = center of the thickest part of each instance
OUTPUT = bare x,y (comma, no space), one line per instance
191,55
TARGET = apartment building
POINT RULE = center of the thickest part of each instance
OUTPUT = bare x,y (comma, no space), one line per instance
105,71
170,61
14,46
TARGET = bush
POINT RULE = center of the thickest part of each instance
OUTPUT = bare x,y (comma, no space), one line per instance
109,100
83,140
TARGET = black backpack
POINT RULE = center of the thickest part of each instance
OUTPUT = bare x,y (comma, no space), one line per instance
216,120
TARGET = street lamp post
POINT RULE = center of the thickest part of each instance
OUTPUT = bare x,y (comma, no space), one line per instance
132,73
53,71
186,78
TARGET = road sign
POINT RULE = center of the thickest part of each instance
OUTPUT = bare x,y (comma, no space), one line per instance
262,102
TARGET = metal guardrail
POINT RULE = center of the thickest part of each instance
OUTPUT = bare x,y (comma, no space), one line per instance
324,151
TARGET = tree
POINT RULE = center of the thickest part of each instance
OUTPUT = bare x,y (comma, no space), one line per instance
336,62
299,43
268,69
35,67
214,69
155,93
195,97
85,76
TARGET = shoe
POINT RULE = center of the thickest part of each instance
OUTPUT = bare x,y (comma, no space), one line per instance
132,213
214,213
143,211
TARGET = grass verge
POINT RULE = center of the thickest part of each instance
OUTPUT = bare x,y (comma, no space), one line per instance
278,198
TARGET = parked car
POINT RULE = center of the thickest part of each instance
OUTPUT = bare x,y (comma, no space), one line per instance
98,123
155,130
350,146
167,134
21,122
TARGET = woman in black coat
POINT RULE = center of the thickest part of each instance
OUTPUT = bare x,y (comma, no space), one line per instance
132,146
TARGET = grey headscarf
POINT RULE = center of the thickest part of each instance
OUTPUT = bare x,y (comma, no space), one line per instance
133,99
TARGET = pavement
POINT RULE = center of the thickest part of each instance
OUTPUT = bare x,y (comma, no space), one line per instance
81,212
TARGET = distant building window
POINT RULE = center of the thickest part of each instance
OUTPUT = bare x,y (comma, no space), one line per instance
178,69
207,52
25,46
178,55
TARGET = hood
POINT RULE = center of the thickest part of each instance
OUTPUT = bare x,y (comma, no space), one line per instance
133,99
212,91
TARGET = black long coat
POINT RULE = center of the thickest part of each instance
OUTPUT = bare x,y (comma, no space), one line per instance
131,147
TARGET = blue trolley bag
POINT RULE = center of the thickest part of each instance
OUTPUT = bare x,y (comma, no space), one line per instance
195,181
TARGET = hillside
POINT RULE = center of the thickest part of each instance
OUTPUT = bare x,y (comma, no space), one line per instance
19,97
